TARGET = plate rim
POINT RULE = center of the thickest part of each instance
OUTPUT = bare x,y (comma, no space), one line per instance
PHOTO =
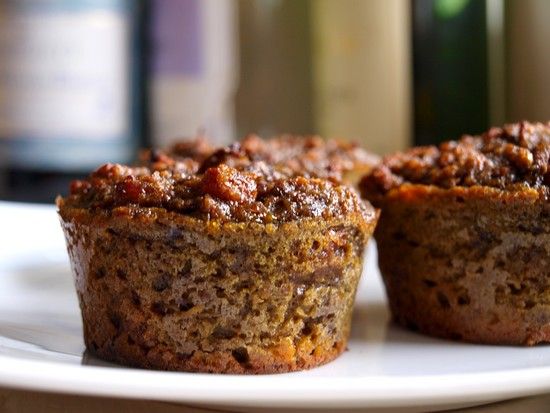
274,390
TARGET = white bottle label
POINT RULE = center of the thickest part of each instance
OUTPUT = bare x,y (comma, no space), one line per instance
64,74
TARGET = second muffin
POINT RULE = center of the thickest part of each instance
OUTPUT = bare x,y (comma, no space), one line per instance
464,235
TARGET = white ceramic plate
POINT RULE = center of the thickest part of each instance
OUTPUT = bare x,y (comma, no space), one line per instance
386,367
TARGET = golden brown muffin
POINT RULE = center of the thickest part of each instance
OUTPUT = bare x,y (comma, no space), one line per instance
464,235
239,268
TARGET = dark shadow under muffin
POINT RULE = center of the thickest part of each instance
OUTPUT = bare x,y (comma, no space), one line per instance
237,268
464,235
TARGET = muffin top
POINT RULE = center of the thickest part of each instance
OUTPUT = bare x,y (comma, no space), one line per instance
512,157
185,154
198,148
310,155
227,186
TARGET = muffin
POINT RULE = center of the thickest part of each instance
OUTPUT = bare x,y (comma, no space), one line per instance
186,154
310,156
464,235
313,156
236,267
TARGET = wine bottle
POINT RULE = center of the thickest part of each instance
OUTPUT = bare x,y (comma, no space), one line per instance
450,64
69,91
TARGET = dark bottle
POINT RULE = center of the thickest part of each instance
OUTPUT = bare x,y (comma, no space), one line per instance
70,91
451,95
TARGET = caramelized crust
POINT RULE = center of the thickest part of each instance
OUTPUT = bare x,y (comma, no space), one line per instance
513,157
309,156
255,193
313,156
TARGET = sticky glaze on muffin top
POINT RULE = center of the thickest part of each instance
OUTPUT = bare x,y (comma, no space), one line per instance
184,155
310,155
228,186
513,157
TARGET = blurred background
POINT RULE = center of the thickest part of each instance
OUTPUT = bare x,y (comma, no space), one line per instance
84,82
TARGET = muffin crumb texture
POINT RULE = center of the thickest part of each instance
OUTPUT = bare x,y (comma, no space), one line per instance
164,292
463,266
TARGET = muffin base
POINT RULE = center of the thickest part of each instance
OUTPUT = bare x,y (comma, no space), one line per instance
469,264
280,359
163,291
